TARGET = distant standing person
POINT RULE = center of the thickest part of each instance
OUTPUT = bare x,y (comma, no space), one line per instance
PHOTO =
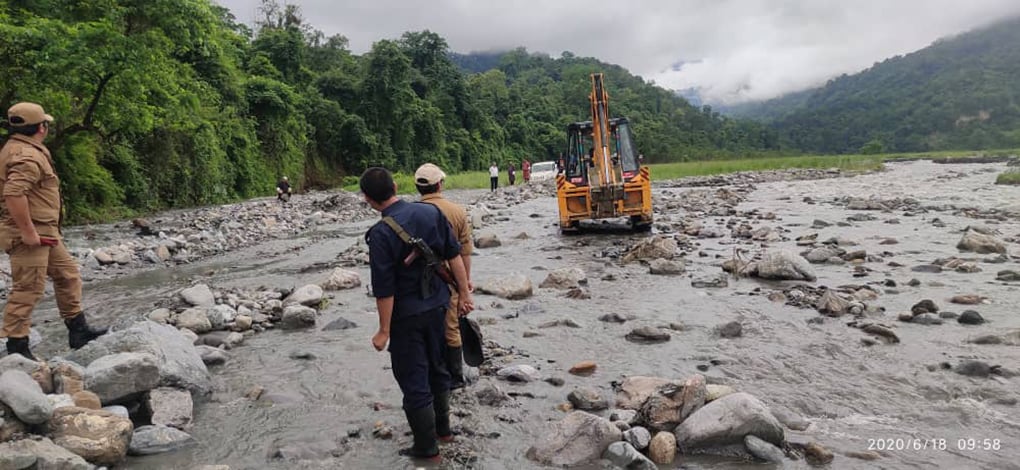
283,189
30,216
493,177
526,171
430,179
511,174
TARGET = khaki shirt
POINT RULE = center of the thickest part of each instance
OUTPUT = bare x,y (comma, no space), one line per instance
27,170
457,217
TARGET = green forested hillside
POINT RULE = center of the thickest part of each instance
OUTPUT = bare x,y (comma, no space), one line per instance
958,93
169,103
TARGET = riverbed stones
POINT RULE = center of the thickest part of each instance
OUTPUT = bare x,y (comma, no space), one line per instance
662,448
732,329
491,395
220,315
39,371
157,439
39,453
652,248
87,399
665,267
823,253
298,317
763,450
513,287
973,369
727,421
693,395
624,455
648,334
170,407
710,282
160,315
584,368
487,240
342,279
578,438
715,392
98,436
882,332
967,299
587,399
24,397
212,356
122,375
179,362
194,319
638,437
199,296
816,454
564,279
1007,276
518,373
783,265
970,317
832,304
924,306
976,242
309,296
635,390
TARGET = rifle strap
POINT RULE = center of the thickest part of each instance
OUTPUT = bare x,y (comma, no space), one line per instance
398,230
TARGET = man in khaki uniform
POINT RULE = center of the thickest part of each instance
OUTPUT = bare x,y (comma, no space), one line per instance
30,233
429,180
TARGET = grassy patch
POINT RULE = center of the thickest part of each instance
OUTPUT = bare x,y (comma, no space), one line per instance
1011,177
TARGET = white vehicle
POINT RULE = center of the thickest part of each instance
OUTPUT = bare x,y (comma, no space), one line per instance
543,171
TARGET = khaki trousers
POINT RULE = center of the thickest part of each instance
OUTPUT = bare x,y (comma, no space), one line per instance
29,267
453,322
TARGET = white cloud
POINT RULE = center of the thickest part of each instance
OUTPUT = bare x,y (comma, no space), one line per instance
736,50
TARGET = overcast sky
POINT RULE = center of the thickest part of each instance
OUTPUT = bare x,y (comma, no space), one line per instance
732,50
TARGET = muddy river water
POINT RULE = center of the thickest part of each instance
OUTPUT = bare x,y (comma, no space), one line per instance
853,395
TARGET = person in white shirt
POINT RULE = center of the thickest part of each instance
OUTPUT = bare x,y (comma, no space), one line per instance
493,177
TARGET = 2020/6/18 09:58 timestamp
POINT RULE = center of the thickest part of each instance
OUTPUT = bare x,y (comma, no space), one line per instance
913,443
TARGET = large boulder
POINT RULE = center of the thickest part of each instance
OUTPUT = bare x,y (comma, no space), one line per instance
980,243
635,390
782,265
665,267
298,316
342,279
512,287
101,437
662,449
24,396
68,377
39,453
198,296
823,253
179,363
119,376
10,425
171,407
195,319
39,371
565,278
220,315
652,248
156,439
309,296
577,439
727,421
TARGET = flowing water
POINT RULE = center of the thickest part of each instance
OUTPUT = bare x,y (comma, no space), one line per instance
852,394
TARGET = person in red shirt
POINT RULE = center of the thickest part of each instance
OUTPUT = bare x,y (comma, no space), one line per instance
526,170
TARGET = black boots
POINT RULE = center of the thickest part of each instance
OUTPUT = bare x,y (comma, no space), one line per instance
19,346
441,405
455,364
79,333
423,426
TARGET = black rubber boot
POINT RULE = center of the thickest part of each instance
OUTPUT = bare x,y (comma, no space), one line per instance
441,405
19,346
79,333
423,426
455,364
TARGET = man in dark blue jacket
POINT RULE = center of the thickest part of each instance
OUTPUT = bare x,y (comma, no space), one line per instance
412,312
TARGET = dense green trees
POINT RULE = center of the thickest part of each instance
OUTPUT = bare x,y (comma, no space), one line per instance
167,103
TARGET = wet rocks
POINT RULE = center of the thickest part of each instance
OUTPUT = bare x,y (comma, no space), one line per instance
170,407
513,287
763,450
638,437
339,324
587,399
970,317
977,242
973,369
518,373
198,296
651,248
662,449
220,315
1007,276
710,282
564,279
491,395
121,375
664,267
297,317
815,454
212,356
24,396
157,439
882,332
924,306
584,368
732,329
635,390
727,421
648,334
578,438
790,419
832,304
693,395
39,453
487,240
785,265
39,371
822,254
715,392
87,399
179,362
928,319
309,296
623,455
969,299
194,319
341,279
68,377
99,437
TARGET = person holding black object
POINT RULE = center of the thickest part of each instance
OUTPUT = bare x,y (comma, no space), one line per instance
406,250
283,189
